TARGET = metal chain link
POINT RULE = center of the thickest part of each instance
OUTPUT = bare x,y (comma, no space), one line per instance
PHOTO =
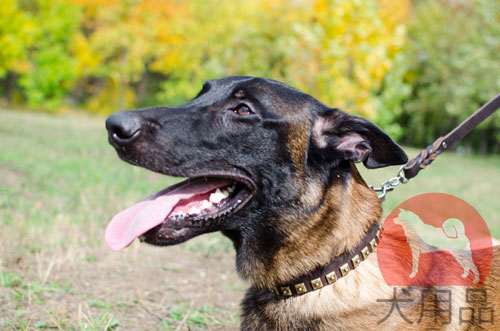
389,184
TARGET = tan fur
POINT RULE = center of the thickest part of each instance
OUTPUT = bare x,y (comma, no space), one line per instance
351,302
327,233
298,138
310,203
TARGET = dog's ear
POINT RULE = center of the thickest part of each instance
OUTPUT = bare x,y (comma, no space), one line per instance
338,136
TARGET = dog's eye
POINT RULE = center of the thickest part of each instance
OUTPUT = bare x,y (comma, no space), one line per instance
243,110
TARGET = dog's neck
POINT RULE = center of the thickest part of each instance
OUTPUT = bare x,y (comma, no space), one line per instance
348,209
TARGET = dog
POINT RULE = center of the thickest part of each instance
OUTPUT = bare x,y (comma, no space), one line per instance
273,169
426,238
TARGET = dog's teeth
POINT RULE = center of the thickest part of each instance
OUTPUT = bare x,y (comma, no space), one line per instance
194,210
206,205
217,196
231,188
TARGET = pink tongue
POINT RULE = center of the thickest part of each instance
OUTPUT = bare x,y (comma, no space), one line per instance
145,215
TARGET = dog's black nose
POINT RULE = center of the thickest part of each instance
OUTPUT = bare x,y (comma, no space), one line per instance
124,127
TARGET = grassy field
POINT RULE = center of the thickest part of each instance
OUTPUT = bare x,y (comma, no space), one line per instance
60,183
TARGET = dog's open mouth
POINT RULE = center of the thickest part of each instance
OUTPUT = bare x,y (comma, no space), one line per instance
178,212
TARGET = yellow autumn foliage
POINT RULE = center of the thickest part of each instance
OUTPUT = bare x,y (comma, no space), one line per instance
129,53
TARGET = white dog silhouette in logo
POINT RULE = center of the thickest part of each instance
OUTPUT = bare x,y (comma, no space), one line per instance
426,238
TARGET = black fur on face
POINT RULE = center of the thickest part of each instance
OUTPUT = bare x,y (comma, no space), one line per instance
261,133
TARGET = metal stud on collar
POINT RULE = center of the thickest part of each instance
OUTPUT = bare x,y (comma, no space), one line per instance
355,261
341,268
344,269
286,291
301,288
365,252
331,277
317,283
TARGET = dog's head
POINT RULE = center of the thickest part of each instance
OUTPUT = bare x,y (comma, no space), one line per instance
253,150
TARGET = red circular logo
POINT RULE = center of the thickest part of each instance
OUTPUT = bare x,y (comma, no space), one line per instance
434,239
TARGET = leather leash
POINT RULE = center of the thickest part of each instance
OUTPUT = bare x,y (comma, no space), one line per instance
349,260
422,160
429,154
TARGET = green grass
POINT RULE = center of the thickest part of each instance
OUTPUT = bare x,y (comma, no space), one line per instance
54,168
475,179
61,182
200,318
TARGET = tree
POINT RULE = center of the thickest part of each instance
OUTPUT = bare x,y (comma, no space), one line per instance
337,50
51,69
113,54
16,36
453,68
346,48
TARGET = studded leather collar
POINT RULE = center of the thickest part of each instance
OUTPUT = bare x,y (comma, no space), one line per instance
339,267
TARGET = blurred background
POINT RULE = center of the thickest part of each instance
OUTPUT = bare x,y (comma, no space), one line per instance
416,68
423,68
